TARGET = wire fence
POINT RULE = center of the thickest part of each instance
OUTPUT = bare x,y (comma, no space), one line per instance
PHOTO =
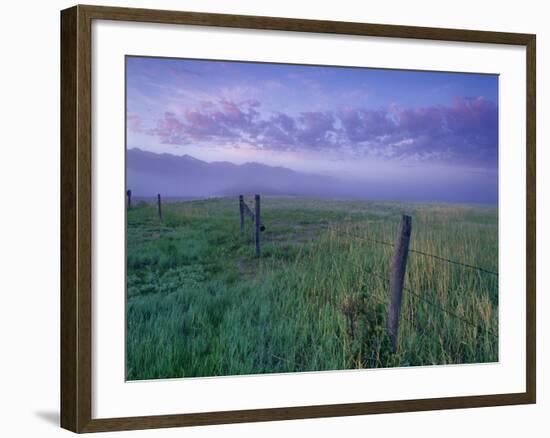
252,235
434,304
416,251
417,295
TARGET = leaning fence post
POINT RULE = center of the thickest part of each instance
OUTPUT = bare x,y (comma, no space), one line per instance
159,206
241,210
257,223
129,196
399,264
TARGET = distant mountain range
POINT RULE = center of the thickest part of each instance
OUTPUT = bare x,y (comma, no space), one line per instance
149,173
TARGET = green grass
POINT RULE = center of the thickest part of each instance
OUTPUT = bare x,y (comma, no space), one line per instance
199,303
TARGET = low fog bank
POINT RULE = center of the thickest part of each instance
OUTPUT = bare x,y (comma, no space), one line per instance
184,177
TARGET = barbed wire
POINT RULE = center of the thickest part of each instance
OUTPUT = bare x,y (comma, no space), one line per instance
368,239
466,265
435,305
417,295
416,251
297,364
449,312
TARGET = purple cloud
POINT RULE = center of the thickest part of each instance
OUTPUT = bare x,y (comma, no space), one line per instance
134,123
170,130
361,125
316,129
466,131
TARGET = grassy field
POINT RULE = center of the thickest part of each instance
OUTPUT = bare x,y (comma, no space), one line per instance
199,303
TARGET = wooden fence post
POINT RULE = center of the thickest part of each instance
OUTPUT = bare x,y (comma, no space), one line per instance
159,206
399,265
257,223
241,210
129,196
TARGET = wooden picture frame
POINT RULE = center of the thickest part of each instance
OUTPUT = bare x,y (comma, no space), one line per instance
76,218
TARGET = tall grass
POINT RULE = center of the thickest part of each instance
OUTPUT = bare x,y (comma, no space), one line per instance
199,303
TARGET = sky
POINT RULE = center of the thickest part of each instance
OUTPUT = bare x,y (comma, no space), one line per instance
396,128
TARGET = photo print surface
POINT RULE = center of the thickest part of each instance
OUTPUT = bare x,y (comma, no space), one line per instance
295,218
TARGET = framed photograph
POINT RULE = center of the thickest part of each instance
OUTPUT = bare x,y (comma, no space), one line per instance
269,218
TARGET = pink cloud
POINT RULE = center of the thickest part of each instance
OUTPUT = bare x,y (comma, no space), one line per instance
134,123
465,131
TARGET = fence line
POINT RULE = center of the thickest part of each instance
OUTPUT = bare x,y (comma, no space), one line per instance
398,265
394,315
394,298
